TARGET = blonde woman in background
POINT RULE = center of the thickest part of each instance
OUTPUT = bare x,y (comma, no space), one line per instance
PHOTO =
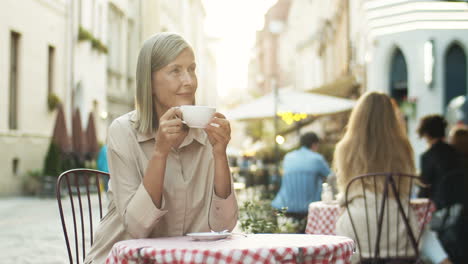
166,179
458,138
375,141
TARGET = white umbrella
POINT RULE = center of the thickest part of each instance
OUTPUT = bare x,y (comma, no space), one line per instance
290,101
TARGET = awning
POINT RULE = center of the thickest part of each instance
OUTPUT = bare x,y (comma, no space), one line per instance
290,101
60,135
341,87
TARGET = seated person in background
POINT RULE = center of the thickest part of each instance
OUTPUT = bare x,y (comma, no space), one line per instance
458,138
375,141
443,168
102,164
304,171
102,159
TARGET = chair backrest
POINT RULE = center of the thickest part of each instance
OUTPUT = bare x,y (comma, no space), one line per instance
384,220
82,187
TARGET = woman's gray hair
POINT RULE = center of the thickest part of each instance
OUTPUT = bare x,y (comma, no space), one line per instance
157,52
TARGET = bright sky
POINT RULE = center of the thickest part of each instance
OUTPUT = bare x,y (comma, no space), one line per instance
234,23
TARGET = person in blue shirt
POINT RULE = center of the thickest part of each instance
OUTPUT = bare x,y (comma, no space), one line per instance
304,172
102,163
102,159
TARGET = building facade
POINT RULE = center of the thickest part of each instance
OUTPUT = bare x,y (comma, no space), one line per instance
82,53
310,52
89,62
124,40
417,53
414,50
265,70
33,64
130,23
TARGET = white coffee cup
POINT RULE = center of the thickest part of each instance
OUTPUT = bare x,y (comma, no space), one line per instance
197,116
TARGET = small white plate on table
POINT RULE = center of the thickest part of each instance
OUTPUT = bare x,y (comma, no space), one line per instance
208,236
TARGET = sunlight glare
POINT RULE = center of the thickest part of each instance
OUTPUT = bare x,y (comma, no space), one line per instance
234,25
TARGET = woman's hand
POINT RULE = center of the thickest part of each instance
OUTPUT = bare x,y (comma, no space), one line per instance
219,134
170,132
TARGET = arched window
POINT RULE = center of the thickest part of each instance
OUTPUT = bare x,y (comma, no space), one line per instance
398,76
455,73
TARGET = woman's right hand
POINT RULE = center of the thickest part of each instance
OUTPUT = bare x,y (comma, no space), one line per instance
170,132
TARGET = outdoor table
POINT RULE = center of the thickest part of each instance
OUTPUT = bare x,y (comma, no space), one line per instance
254,248
322,216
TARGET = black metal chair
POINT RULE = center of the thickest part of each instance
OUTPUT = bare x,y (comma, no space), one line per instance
378,191
78,185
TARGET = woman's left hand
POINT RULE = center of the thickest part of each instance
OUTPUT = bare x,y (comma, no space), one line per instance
219,133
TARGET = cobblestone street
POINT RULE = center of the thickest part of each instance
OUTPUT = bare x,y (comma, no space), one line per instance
30,231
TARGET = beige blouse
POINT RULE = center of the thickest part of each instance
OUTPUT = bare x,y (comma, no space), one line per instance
189,203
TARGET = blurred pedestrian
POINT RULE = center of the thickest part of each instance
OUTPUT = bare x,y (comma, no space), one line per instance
102,159
304,172
442,168
458,138
102,164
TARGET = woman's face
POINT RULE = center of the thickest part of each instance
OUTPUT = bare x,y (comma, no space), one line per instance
176,83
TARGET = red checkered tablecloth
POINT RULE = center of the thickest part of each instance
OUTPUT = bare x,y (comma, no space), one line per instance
322,216
258,248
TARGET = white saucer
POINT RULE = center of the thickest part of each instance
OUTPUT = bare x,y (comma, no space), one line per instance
207,236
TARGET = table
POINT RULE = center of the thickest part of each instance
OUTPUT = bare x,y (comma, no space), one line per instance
322,217
255,248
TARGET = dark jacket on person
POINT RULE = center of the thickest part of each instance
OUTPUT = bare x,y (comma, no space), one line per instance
444,169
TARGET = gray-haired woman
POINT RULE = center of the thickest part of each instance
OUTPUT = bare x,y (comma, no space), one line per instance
166,179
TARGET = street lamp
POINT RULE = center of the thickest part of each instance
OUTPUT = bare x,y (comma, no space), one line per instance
275,27
279,139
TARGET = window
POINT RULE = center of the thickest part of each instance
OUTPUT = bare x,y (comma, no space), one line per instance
455,73
114,39
99,34
13,100
79,13
93,14
50,70
15,165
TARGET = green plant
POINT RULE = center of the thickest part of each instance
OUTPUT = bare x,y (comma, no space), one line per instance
69,161
255,129
267,154
101,47
95,43
84,35
32,182
408,106
259,217
327,150
53,161
53,101
91,164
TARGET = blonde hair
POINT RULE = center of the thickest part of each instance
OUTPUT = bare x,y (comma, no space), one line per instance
459,139
157,52
375,141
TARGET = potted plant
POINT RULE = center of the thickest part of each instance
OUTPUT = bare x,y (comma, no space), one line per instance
32,182
408,106
53,101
